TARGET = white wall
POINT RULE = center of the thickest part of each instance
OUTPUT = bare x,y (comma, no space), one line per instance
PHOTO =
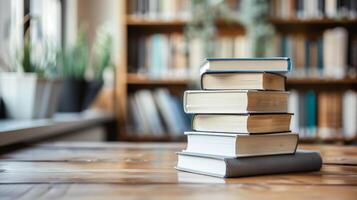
92,14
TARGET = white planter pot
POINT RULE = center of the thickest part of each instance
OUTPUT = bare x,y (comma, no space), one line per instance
27,96
50,99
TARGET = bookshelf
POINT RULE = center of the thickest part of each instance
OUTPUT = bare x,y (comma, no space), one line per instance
319,22
131,82
137,79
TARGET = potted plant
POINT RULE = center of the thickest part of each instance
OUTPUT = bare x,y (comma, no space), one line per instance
101,55
252,15
28,91
2,109
74,61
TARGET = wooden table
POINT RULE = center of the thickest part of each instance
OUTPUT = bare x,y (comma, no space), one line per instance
146,171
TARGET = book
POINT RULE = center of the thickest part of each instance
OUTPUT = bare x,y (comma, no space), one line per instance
302,114
235,101
310,110
349,114
249,123
335,64
329,115
242,81
241,145
274,64
228,167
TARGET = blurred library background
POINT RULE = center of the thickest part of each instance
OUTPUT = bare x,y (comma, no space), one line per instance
128,62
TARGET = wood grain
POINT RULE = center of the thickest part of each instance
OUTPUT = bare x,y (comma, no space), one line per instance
146,171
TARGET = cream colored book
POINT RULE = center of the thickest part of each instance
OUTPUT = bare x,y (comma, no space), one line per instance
242,81
274,64
248,124
241,145
235,101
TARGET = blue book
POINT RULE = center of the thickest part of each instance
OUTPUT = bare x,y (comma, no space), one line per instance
310,113
274,64
156,56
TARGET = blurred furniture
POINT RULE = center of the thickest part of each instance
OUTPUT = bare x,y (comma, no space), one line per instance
76,170
135,27
63,126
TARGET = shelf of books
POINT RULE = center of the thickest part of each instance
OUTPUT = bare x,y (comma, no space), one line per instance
318,35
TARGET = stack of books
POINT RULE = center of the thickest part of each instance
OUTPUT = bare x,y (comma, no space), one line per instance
241,125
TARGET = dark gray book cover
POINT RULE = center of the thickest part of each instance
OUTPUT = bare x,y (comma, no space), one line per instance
301,161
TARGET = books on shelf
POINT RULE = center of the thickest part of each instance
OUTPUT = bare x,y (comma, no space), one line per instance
148,113
313,9
241,145
160,9
242,81
242,132
242,124
156,113
235,101
330,55
158,56
170,55
171,111
323,114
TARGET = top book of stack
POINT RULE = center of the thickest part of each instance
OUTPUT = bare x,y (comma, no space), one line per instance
245,73
275,65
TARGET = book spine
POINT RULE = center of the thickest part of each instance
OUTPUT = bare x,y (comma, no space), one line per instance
201,80
311,113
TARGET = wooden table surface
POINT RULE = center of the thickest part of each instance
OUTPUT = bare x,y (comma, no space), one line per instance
146,171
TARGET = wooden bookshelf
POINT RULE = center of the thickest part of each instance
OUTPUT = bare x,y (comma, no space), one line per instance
319,81
132,21
128,82
147,26
333,140
319,22
132,137
140,79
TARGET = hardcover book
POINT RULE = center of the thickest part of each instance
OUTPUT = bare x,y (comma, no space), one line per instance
241,145
228,167
235,101
242,81
275,64
248,123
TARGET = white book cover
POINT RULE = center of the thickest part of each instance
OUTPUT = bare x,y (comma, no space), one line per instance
349,114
